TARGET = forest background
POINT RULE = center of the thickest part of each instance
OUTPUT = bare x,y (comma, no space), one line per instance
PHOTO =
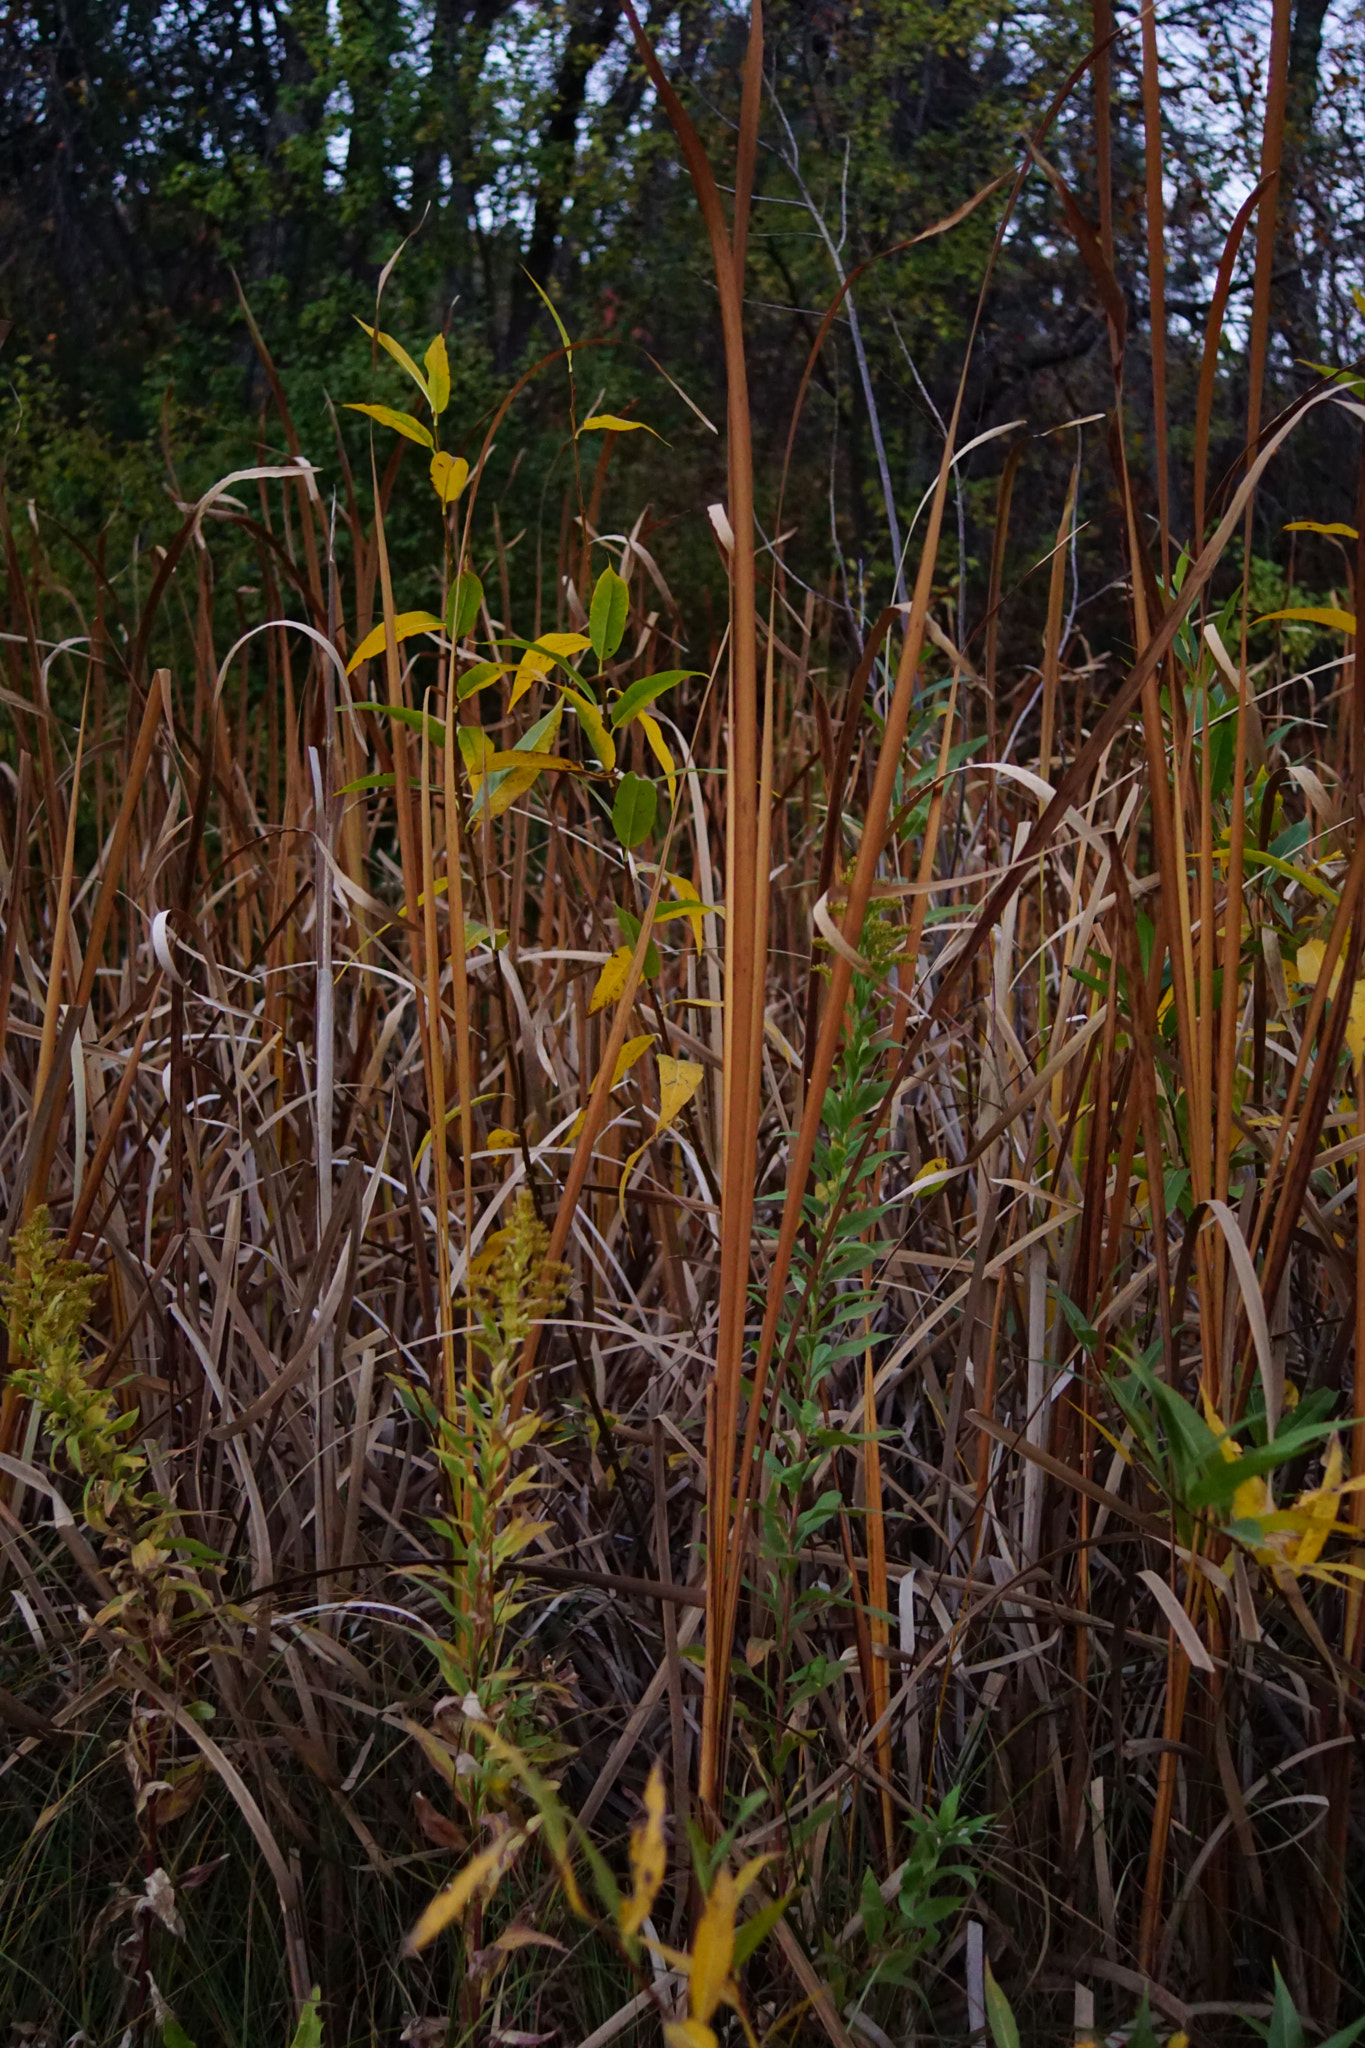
275,1111
155,160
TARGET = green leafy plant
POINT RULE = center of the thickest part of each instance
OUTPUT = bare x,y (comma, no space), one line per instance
936,1882
1285,2028
825,1325
491,1488
1201,1469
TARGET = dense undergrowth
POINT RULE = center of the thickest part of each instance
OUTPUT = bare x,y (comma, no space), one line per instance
683,1316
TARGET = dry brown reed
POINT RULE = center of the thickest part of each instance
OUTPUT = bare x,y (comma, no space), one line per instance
292,1018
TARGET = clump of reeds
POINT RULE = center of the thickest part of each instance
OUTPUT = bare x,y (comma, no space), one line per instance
647,1206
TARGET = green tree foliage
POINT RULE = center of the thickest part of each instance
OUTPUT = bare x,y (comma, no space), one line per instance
154,155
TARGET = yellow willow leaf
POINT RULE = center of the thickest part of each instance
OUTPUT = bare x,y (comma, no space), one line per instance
648,1857
479,1875
1333,526
1226,1444
527,757
713,1949
687,894
502,1140
515,783
660,752
610,982
1307,970
404,626
693,912
438,375
748,1874
449,475
1251,1501
688,2034
516,769
399,354
1288,868
631,1051
612,423
679,1081
477,751
401,422
595,726
676,1958
1314,615
537,661
930,1177
1307,966
571,1135
1316,1511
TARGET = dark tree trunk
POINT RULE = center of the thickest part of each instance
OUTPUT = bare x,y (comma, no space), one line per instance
1295,306
591,28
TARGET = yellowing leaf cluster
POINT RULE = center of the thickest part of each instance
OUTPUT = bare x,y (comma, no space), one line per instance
1292,1539
1307,970
679,1081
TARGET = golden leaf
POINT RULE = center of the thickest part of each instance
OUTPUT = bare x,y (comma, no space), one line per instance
688,894
537,661
399,354
661,754
404,626
401,422
438,374
713,1950
513,785
648,1857
478,1876
594,725
612,423
688,2034
449,475
633,1050
679,1081
1314,615
476,750
611,981
1315,1512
